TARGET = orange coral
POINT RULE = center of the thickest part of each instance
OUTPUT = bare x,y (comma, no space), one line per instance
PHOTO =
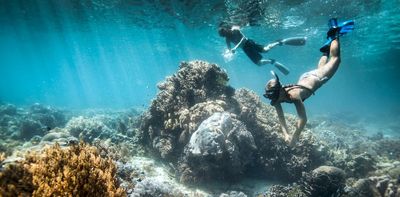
74,171
15,180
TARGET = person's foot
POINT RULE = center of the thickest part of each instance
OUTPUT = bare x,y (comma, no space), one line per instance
334,29
333,33
266,61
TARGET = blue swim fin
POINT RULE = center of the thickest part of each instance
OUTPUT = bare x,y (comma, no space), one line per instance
345,27
336,30
325,48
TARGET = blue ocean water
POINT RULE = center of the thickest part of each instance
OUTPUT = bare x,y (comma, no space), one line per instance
112,53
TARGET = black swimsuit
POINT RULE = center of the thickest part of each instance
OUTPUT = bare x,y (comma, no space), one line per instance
249,47
253,50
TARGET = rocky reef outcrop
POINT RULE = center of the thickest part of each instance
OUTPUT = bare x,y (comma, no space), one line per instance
221,144
37,120
212,131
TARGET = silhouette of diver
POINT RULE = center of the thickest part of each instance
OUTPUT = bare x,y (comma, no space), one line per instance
253,50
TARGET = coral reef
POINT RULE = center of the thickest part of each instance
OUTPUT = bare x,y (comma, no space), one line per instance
88,129
383,186
322,181
195,82
286,191
195,93
77,170
15,180
233,194
25,124
2,157
155,187
325,181
204,133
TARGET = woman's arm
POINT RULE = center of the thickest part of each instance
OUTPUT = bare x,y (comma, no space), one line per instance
228,43
282,121
237,28
239,44
301,112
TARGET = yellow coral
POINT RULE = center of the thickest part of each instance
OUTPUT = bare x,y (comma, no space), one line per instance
15,180
74,171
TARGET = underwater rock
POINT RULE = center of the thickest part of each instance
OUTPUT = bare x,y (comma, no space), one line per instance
152,178
325,181
30,128
389,147
191,118
126,175
233,194
8,109
383,186
154,187
322,181
361,165
123,122
195,82
56,134
23,124
88,129
47,116
221,145
391,168
286,191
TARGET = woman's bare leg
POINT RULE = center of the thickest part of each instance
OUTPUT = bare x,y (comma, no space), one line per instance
330,68
270,46
323,60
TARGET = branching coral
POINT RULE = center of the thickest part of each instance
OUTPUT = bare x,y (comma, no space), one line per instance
74,171
15,180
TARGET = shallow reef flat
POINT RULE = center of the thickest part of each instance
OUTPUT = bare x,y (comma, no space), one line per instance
198,137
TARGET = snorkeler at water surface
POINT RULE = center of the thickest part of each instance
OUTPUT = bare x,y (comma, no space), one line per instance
253,50
309,82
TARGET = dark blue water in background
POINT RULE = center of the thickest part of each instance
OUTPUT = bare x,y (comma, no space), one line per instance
112,53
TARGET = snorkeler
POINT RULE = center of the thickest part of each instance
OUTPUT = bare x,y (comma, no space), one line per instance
252,49
308,83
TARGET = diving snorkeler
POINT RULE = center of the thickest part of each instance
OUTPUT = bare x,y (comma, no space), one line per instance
309,82
233,34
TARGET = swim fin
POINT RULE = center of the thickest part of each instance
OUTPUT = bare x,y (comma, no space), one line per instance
345,27
325,48
336,30
281,68
294,41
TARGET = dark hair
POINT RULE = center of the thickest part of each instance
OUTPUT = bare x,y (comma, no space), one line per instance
272,92
223,31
